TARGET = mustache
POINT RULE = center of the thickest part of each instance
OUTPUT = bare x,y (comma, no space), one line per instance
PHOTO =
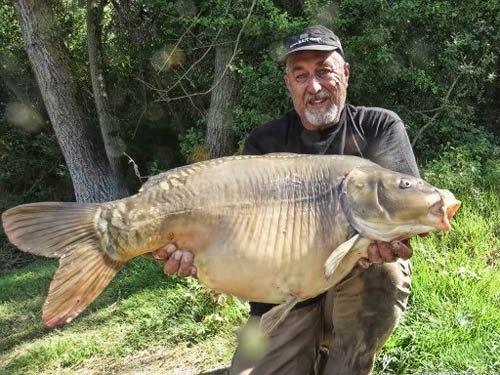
320,95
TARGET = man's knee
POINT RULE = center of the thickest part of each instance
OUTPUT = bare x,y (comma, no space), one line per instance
291,349
386,288
382,300
365,309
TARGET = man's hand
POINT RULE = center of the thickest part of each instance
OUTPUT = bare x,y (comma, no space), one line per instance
380,252
177,261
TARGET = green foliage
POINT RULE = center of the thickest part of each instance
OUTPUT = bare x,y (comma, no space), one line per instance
30,164
435,63
263,95
405,55
11,41
192,138
467,169
32,170
432,63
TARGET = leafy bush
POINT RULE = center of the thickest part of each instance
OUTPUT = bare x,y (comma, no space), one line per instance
467,169
32,170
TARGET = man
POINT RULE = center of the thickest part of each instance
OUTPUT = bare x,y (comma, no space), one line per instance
354,319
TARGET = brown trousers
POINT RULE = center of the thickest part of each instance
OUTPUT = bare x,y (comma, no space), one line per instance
338,336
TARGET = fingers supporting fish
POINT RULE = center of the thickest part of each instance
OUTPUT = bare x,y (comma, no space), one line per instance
380,252
374,255
402,249
387,252
181,263
165,252
364,263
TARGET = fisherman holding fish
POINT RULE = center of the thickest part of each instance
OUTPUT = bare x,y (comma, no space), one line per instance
340,331
284,228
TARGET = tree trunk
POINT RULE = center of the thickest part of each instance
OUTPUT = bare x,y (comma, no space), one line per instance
96,63
220,139
92,177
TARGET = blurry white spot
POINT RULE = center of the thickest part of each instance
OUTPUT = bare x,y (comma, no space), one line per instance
154,112
464,273
326,14
276,50
24,117
185,7
167,57
253,342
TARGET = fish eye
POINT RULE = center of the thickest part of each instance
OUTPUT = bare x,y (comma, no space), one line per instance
404,183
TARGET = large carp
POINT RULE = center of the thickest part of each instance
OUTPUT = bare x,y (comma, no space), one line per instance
278,228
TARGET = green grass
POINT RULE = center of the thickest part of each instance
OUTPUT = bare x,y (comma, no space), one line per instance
145,322
142,314
453,321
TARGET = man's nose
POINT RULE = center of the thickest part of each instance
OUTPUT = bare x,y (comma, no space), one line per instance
313,86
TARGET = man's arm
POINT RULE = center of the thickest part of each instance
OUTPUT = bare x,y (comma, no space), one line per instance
390,146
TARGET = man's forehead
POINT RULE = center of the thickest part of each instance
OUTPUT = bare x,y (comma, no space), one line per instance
302,58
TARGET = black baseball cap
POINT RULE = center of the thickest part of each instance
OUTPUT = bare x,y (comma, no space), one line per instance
313,38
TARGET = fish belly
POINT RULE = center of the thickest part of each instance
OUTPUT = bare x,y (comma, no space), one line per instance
269,253
259,228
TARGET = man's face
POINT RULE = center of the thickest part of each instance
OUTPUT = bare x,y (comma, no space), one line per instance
317,81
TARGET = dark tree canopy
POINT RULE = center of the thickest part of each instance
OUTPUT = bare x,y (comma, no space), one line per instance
173,82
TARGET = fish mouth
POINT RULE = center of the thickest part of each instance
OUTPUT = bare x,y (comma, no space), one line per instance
445,209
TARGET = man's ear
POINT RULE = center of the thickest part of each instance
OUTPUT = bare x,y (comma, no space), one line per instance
287,81
347,70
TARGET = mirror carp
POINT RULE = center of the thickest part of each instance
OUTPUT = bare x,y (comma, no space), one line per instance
276,228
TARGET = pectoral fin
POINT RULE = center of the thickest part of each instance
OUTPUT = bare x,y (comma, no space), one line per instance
274,317
355,243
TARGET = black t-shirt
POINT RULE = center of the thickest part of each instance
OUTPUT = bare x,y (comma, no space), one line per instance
373,133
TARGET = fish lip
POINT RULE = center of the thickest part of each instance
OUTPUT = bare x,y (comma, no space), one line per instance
450,211
444,210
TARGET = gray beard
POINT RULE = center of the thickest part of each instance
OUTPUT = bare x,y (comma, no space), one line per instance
322,117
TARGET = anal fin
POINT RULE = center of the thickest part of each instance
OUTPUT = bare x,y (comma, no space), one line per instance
274,317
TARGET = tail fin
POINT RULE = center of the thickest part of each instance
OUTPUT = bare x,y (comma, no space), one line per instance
65,231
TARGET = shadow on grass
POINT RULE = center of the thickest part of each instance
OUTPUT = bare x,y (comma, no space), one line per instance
35,332
24,290
27,282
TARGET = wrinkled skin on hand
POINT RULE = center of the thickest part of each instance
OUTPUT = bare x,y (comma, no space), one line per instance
385,252
177,261
180,262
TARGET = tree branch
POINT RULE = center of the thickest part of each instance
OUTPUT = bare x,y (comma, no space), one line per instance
227,66
437,110
444,102
192,65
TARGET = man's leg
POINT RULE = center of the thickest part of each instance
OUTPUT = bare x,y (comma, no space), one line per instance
291,349
362,312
